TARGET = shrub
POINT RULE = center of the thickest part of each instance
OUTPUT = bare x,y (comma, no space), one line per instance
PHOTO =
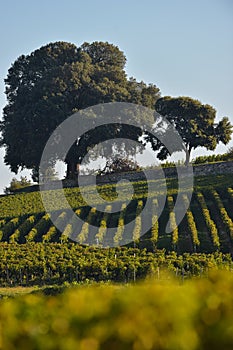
17,184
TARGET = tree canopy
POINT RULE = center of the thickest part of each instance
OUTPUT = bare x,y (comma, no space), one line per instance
195,122
48,85
55,81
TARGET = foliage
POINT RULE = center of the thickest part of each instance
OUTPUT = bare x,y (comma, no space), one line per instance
193,121
120,228
172,218
8,228
155,224
83,235
214,158
209,222
138,222
49,174
17,184
23,218
22,230
191,223
55,81
103,226
223,213
119,165
39,229
152,315
54,263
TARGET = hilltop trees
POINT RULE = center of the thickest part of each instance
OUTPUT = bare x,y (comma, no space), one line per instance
55,81
59,79
195,123
225,157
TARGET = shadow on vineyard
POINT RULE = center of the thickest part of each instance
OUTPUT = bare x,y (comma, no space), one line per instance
207,226
34,252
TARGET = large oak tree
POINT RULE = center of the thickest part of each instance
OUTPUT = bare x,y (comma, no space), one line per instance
55,81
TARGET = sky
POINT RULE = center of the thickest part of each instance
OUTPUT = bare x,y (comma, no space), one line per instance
185,47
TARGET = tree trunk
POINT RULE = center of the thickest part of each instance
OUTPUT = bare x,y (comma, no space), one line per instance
188,152
72,170
77,168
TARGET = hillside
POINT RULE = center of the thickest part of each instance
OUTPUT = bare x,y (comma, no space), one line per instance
206,227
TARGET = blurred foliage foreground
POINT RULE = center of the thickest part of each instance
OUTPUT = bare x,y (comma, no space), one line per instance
197,314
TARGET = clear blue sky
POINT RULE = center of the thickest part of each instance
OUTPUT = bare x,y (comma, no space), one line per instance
184,47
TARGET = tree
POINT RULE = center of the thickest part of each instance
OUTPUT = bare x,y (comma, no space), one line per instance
225,157
36,88
229,154
50,174
195,123
55,81
17,184
118,165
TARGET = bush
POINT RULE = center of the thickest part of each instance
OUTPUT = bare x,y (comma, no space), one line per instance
119,165
17,184
148,316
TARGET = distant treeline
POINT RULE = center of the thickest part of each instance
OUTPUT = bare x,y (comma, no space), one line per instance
225,157
214,158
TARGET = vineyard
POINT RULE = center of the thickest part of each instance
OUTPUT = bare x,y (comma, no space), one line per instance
90,290
207,226
46,264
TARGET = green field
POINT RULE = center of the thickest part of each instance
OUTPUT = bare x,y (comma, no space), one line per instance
207,226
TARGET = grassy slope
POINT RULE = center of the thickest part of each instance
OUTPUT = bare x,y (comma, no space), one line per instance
25,204
30,202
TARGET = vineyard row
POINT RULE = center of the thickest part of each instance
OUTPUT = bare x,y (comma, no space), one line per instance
40,263
208,219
